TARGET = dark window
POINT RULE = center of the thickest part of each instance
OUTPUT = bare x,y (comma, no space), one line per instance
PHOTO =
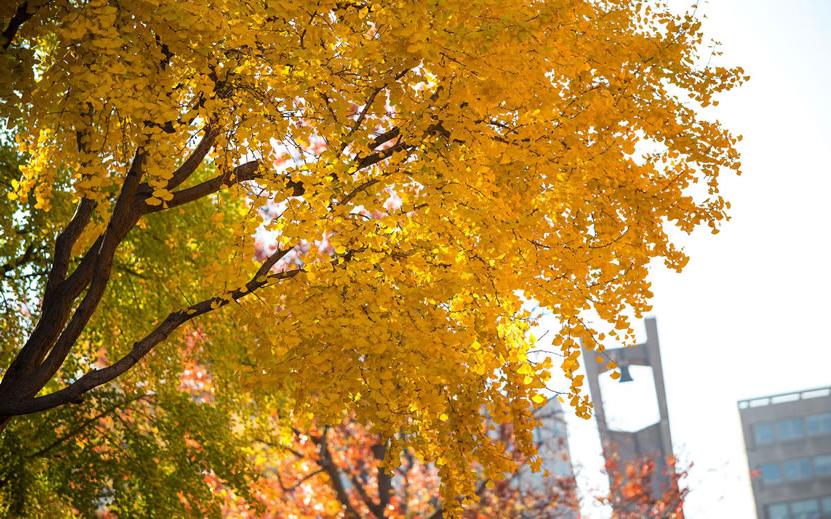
790,429
771,474
822,466
819,424
807,509
798,469
763,433
778,511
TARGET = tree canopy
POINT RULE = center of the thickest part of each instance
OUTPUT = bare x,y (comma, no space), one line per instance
353,201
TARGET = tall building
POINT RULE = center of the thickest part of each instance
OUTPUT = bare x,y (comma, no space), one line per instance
556,471
651,442
788,442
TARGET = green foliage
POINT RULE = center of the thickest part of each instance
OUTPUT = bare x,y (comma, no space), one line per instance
142,448
137,455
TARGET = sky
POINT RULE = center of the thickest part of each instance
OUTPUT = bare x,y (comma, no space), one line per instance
746,317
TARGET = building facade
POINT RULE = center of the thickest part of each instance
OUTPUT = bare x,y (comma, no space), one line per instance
788,441
556,475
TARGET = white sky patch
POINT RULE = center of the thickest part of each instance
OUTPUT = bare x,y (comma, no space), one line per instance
746,316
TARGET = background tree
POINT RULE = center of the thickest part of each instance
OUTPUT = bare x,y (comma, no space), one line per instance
633,493
337,472
151,131
141,450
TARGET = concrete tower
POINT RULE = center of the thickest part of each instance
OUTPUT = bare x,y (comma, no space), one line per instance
652,441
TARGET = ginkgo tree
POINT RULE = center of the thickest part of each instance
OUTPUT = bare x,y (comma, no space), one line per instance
423,169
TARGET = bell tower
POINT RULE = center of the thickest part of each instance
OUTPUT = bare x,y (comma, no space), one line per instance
652,441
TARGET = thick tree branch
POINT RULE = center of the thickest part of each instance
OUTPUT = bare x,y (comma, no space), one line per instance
196,157
334,475
378,156
252,170
385,137
124,217
373,506
74,392
28,372
334,472
241,173
21,16
269,263
384,480
64,243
